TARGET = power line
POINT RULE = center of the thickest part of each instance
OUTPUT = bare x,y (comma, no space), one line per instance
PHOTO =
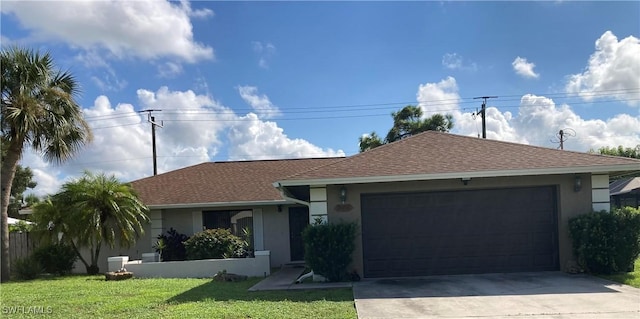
240,119
567,132
372,106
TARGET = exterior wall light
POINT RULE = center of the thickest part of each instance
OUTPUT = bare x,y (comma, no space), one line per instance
465,180
343,194
577,183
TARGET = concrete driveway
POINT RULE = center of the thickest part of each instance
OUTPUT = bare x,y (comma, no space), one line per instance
519,295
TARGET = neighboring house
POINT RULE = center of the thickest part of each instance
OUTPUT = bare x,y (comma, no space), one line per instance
625,192
13,221
433,203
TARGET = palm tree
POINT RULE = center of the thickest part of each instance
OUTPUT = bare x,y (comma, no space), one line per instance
39,111
101,210
49,221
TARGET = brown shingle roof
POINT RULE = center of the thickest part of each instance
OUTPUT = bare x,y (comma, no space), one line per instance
222,182
443,153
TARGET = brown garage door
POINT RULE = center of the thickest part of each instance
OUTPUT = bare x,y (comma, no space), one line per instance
460,232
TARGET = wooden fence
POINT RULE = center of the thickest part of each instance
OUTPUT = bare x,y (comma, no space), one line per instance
21,245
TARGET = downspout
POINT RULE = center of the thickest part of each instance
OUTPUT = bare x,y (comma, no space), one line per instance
286,196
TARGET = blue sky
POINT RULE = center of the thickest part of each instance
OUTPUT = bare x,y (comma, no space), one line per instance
259,80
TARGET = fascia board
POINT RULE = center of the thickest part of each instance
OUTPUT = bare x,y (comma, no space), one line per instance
220,204
478,174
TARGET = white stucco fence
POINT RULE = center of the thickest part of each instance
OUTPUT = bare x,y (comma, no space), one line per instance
257,266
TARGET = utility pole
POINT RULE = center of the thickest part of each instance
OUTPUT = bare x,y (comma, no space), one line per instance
562,136
152,119
483,113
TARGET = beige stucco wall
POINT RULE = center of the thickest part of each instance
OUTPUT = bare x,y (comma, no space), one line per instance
570,203
142,245
181,220
276,234
257,266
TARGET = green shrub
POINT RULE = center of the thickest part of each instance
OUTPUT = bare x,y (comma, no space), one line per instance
627,237
26,268
328,249
20,227
604,242
56,258
172,245
215,244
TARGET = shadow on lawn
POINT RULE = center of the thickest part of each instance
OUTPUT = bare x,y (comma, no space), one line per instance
621,277
225,291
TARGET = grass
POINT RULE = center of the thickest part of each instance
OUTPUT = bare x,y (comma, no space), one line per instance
628,278
91,296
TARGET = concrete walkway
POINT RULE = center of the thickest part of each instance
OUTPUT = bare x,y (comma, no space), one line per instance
284,279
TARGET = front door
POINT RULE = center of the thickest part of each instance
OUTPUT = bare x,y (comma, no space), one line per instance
298,220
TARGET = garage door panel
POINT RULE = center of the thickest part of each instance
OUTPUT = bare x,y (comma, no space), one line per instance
476,231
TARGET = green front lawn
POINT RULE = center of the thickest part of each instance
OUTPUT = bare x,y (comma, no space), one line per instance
629,278
91,296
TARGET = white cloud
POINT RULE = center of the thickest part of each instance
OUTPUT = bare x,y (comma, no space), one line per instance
107,80
5,41
200,84
524,68
264,51
195,128
191,121
454,61
537,121
169,69
613,70
92,59
260,103
146,29
253,139
43,173
441,97
202,13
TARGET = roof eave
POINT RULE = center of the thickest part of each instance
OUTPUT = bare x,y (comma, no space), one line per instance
453,175
221,204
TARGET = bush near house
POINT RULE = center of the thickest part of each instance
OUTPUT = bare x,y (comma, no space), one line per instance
606,243
56,259
215,244
26,268
328,249
172,246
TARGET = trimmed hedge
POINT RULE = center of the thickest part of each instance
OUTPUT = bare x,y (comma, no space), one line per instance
328,249
604,243
215,244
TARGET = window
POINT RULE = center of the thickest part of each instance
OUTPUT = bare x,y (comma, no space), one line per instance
237,221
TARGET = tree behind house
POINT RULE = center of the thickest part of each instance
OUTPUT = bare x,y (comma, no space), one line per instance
406,122
631,152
